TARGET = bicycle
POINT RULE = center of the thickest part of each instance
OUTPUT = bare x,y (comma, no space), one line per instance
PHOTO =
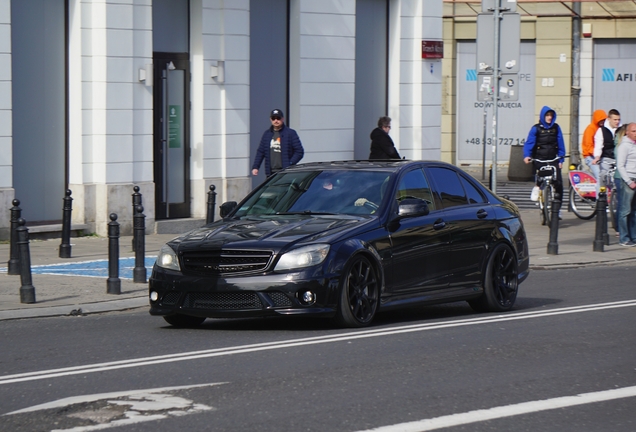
549,175
583,194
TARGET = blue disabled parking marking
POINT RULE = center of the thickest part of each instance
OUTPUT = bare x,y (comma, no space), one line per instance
97,268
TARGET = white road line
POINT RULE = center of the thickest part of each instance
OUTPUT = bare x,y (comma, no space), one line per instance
507,411
354,335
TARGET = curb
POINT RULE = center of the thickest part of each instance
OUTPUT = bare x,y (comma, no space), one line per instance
582,264
76,310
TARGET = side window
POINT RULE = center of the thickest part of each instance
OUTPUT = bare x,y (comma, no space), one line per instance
473,194
449,187
414,184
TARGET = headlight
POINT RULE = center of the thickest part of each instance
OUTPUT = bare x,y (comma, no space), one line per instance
305,256
167,258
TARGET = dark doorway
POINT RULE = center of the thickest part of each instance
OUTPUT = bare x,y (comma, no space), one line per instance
171,135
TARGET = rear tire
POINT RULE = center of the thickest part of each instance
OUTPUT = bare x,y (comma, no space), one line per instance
583,208
501,282
179,320
359,293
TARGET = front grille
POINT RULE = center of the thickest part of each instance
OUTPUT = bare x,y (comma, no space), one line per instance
222,301
171,298
279,299
223,262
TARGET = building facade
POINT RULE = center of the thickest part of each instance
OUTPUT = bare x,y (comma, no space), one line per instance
575,57
172,96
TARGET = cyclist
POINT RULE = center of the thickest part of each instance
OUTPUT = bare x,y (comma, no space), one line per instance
545,142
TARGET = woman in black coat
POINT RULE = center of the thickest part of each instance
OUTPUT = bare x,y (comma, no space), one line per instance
381,143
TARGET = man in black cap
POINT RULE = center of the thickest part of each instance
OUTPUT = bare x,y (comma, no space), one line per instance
279,147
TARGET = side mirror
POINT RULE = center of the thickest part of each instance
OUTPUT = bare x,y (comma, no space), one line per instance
226,208
411,207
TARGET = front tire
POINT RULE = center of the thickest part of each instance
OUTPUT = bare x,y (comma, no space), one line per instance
547,204
501,281
359,294
179,320
583,208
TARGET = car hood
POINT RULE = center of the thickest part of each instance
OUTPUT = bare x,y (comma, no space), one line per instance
271,232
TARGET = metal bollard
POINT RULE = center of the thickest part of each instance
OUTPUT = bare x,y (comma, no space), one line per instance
136,201
139,272
65,246
27,290
601,221
553,244
113,284
211,204
14,254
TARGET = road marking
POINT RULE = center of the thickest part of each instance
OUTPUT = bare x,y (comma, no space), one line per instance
507,411
137,406
266,346
93,268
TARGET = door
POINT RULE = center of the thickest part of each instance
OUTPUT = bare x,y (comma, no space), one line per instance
420,259
471,222
171,135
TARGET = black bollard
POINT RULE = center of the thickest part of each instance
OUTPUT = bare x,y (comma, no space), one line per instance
601,221
65,246
136,201
14,253
553,244
139,272
27,290
211,204
113,284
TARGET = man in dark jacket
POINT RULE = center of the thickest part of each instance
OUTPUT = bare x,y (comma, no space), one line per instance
381,143
545,142
280,146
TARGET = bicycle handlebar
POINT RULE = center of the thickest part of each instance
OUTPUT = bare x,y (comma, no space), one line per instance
551,160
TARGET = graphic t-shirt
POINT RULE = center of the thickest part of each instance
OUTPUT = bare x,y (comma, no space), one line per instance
275,158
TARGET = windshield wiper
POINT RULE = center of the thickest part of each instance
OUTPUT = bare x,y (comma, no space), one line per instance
304,212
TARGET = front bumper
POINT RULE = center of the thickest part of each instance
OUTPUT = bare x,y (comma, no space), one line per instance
241,296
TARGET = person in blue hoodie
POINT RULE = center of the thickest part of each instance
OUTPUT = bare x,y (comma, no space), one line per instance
545,142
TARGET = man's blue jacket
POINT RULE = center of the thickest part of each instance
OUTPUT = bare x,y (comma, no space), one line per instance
290,147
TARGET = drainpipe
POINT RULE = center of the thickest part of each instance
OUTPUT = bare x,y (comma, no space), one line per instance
575,157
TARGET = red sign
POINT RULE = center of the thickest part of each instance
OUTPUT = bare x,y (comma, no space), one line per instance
432,49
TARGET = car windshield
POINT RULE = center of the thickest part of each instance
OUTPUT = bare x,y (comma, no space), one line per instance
319,192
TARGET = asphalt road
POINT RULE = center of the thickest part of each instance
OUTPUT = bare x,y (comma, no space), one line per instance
563,360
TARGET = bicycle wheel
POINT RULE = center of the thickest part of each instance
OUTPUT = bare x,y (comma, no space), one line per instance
613,208
548,195
583,208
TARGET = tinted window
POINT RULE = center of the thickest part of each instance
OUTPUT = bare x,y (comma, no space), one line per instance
449,186
474,197
329,191
414,184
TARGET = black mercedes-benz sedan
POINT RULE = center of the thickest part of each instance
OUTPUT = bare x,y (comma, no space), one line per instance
344,240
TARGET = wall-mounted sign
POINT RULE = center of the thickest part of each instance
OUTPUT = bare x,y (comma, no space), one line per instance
432,49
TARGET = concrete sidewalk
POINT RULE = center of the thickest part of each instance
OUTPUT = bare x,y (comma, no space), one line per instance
76,295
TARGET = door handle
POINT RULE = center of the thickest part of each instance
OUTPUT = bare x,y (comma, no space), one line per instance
481,213
439,224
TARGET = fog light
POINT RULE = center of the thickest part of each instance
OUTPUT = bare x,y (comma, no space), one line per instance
308,298
154,296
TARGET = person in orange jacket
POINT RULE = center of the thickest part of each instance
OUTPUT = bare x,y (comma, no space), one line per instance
587,145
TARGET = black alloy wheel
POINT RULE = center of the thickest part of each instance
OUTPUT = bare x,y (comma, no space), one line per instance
179,320
359,293
500,282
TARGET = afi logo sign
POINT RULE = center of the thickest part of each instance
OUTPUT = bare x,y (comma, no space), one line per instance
610,75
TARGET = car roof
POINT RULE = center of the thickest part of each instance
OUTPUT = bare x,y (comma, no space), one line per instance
389,165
